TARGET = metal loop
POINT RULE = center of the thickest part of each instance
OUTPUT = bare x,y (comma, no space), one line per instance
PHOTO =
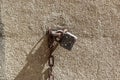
51,61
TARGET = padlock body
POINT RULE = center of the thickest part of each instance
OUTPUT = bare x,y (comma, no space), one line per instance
68,41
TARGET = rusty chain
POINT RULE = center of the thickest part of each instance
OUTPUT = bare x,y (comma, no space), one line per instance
52,46
51,62
54,38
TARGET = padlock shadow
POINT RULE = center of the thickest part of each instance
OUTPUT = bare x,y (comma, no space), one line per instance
36,61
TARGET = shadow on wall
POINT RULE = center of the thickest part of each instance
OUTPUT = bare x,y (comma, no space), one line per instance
34,69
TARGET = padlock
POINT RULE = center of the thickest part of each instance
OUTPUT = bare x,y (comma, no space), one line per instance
67,41
63,37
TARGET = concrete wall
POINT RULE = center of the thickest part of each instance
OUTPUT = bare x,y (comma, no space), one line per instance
95,55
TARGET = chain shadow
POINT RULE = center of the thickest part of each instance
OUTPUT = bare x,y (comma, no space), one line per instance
34,69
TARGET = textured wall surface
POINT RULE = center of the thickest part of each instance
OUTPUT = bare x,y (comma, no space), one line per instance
2,50
95,55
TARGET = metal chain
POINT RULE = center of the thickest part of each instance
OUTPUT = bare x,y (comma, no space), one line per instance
53,39
51,61
52,46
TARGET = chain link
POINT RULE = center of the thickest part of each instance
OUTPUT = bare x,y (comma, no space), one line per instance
51,76
51,61
50,70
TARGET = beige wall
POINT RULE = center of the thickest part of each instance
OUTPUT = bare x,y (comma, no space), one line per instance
95,55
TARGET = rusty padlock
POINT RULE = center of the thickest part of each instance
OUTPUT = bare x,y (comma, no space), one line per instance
63,37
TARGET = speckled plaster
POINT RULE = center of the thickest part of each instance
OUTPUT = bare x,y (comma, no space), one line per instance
95,55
